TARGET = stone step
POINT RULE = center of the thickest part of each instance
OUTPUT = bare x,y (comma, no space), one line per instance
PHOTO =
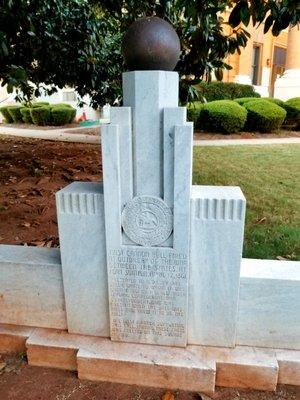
13,338
245,367
289,367
147,365
194,368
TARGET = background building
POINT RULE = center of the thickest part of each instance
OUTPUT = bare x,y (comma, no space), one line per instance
271,64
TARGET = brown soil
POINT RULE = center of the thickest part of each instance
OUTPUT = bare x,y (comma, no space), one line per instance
32,170
246,135
19,381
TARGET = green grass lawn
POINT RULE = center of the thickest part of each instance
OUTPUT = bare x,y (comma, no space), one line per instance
269,177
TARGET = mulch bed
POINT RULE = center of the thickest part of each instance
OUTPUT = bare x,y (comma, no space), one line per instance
32,171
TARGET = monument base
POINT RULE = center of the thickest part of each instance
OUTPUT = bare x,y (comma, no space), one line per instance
194,368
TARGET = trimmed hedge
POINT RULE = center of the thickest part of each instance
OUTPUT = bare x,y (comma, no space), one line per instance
40,115
25,111
193,112
294,101
242,100
225,90
61,105
293,111
40,104
6,115
278,102
15,113
222,116
61,115
264,116
72,114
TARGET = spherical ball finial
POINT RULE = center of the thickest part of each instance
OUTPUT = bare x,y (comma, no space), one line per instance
151,44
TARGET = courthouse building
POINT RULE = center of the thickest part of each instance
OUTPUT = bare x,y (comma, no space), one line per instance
271,64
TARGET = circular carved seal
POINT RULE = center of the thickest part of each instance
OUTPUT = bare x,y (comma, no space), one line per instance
147,220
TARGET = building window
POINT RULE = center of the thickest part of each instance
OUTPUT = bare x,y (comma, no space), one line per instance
256,64
69,95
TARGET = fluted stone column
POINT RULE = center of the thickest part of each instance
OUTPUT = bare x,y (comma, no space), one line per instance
288,85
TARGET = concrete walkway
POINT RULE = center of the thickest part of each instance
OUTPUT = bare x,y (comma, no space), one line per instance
63,135
66,135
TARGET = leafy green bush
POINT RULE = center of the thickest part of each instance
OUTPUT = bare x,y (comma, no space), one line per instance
72,115
15,113
242,100
193,112
61,115
292,111
40,115
279,102
264,116
25,111
40,104
222,116
292,107
225,90
6,115
61,105
295,101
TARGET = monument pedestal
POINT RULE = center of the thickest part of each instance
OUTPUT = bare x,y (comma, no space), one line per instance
194,368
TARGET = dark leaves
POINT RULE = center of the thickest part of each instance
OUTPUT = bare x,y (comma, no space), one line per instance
268,23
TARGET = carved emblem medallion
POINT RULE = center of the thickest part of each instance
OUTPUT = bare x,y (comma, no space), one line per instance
147,220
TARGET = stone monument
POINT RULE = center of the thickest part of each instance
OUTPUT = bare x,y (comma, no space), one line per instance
150,243
147,286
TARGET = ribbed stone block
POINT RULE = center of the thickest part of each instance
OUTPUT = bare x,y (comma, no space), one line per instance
217,227
80,212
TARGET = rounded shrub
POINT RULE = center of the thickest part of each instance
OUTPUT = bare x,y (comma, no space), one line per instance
294,101
216,90
222,116
264,116
193,112
61,105
25,111
279,102
40,104
15,113
61,115
293,111
6,115
242,100
40,115
72,114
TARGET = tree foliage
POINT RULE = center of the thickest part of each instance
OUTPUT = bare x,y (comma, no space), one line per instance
77,42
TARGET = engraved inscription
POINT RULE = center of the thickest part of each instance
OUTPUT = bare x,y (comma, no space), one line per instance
148,295
147,220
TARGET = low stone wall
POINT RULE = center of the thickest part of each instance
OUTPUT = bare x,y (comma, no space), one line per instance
32,294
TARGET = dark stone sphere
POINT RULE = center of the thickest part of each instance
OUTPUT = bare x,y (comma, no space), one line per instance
151,44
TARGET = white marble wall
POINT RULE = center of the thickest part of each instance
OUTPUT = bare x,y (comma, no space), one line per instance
80,210
31,287
217,228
